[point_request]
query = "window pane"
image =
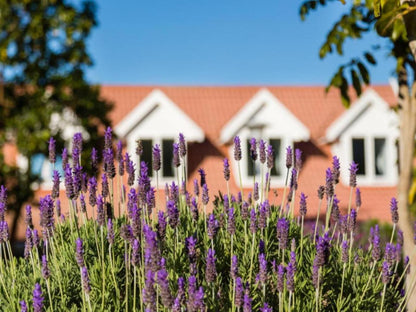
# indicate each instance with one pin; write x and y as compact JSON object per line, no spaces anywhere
{"x":36,"y":164}
{"x":167,"y":156}
{"x":147,"y":155}
{"x":380,"y":156}
{"x":358,"y":154}
{"x":251,"y":169}
{"x":277,"y":159}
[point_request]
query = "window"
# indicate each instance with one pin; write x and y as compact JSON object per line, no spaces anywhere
{"x":166,"y":146}
{"x":380,"y":156}
{"x":40,"y":166}
{"x":358,"y":154}
{"x":254,"y":168}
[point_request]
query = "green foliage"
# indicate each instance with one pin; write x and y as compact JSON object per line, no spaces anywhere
{"x":43,"y":57}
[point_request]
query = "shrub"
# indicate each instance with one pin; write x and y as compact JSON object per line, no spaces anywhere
{"x":173,"y":255}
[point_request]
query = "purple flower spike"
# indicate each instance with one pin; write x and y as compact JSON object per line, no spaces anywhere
{"x":394,"y":210}
{"x":344,"y":247}
{"x":4,"y":232}
{"x":247,"y":302}
{"x":231,"y":221}
{"x":108,"y":136}
{"x":298,"y":159}
{"x":358,"y":197}
{"x":289,"y":157}
{"x":46,"y":273}
{"x":262,"y":151}
{"x":266,"y":308}
{"x":290,"y":276}
{"x":212,"y":226}
{"x":149,"y":293}
{"x":329,"y":187}
{"x":156,"y":158}
{"x":237,"y":148}
{"x":47,"y":220}
{"x":400,"y":237}
{"x":37,"y":299}
{"x":239,"y":292}
{"x":23,"y":306}
{"x":176,"y":159}
{"x":321,"y":191}
{"x":64,"y":158}
{"x":282,"y":232}
{"x":263,"y":211}
{"x":85,"y":280}
{"x":376,"y":252}
{"x":28,"y":243}
{"x":262,"y":269}
{"x":69,"y":183}
{"x":110,"y":232}
{"x":336,"y":169}
{"x":92,"y":190}
{"x":256,"y":192}
{"x":100,"y":211}
{"x":210,"y":270}
{"x":315,"y":275}
{"x":202,"y":175}
{"x":322,"y":249}
{"x":52,"y":150}
{"x":226,"y":169}
{"x":253,"y":220}
{"x":352,"y":221}
{"x":109,"y":167}
{"x":161,"y":225}
{"x":302,"y":204}
{"x":205,"y":195}
{"x":386,"y":273}
{"x":280,"y":278}
{"x":173,"y":214}
{"x":196,"y":188}
{"x":253,"y":149}
{"x":135,"y":253}
{"x":130,"y":169}
{"x":194,"y":209}
{"x":94,"y":159}
{"x":182,"y":145}
{"x":79,"y":252}
{"x":270,"y":157}
{"x":162,"y":280}
{"x":28,"y":216}
{"x":353,"y":174}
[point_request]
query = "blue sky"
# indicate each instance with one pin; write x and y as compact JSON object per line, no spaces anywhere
{"x":218,"y":42}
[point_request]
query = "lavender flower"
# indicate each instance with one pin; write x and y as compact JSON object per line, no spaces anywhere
{"x":161,"y":225}
{"x":196,"y":188}
{"x":79,"y":252}
{"x":270,"y":157}
{"x":266,"y":308}
{"x":52,"y":152}
{"x":176,"y":160}
{"x":263,"y":210}
{"x":23,"y":306}
{"x":212,"y":226}
{"x":226,"y":169}
{"x":290,"y":277}
{"x":109,"y":167}
{"x":302,"y":204}
{"x":386,"y":272}
{"x":64,"y":158}
{"x":344,"y":247}
{"x":58,"y":208}
{"x":126,"y":233}
{"x":376,"y":252}
{"x":69,"y":183}
{"x":190,"y":244}
{"x":234,"y":267}
{"x":28,"y":243}
{"x":244,"y":210}
{"x":262,"y":269}
{"x":46,"y":215}
{"x":130,"y":170}
{"x":105,"y":190}
{"x":262,"y":151}
{"x":390,"y":253}
{"x":35,"y":238}
{"x":322,"y":250}
{"x":247,"y":302}
{"x":298,"y":159}
{"x":4,"y":232}
{"x":329,"y":187}
{"x":202,"y":175}
{"x":253,"y":149}
{"x":352,"y":221}
{"x":135,"y":253}
{"x":162,"y":280}
{"x":353,"y":174}
{"x":139,"y":148}
{"x":110,"y":232}
{"x":46,"y":273}
{"x":239,"y":292}
{"x":394,"y":211}
{"x":289,"y":157}
{"x":315,"y":275}
{"x":156,"y":158}
{"x":28,"y":216}
{"x":173,"y":214}
{"x":400,"y":238}
{"x":37,"y":299}
{"x":335,"y":213}
{"x":210,"y":270}
{"x":85,"y":280}
{"x":358,"y":197}
{"x":282,"y":232}
{"x":194,"y":209}
{"x":321,"y":191}
{"x":92,"y":190}
{"x":253,"y":219}
{"x":181,"y":290}
{"x":182,"y":145}
{"x":205,"y":195}
{"x":256,"y":192}
{"x":335,"y":169}
{"x":237,"y":148}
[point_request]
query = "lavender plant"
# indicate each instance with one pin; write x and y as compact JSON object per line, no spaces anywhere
{"x":200,"y":251}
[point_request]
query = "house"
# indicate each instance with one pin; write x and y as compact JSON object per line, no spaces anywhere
{"x":303,"y":117}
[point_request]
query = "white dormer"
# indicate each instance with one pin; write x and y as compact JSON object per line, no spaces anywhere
{"x":157,"y":120}
{"x":367,"y":134}
{"x":264,"y":117}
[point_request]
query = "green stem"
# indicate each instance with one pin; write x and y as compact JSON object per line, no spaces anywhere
{"x":382,"y":297}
